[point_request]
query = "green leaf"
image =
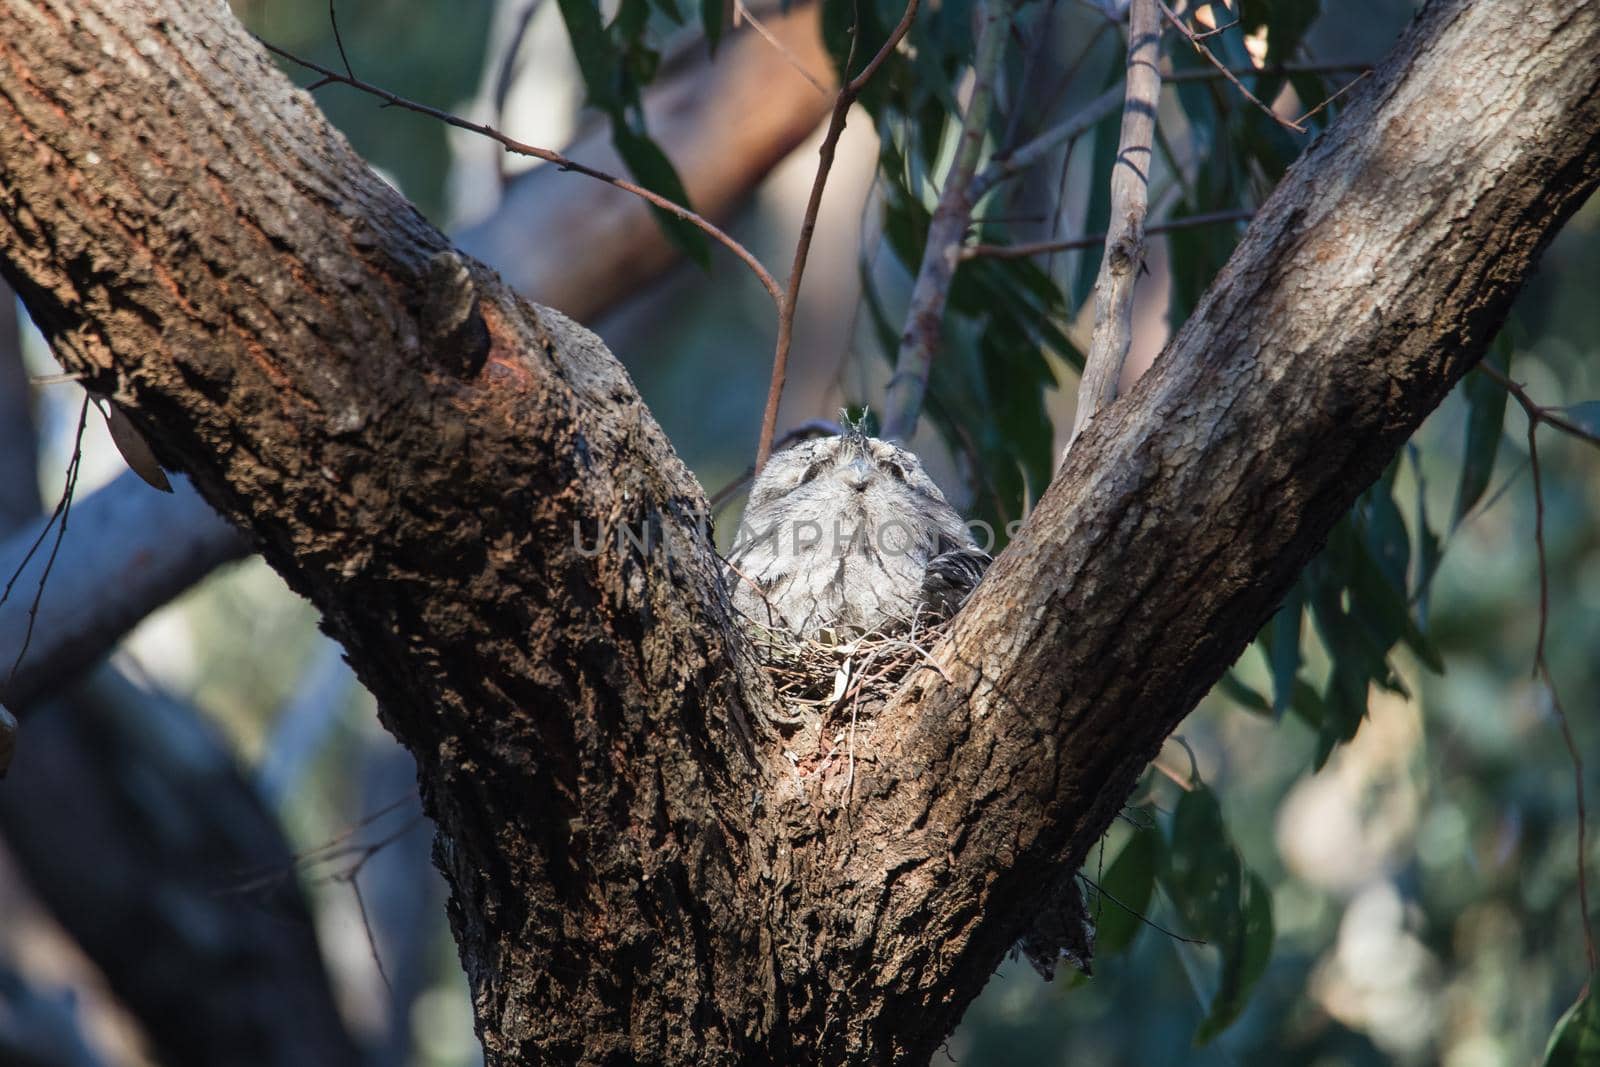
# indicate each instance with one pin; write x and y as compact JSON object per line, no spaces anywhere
{"x":1220,"y":901}
{"x":1248,"y":959}
{"x":1282,"y":639}
{"x":1486,"y":416}
{"x":1243,"y":695}
{"x":1575,"y":1042}
{"x":596,"y":55}
{"x":655,"y":172}
{"x":1125,"y":893}
{"x":711,"y":16}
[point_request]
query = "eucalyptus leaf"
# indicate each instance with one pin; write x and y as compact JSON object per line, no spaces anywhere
{"x":1575,"y":1042}
{"x":1125,"y":891}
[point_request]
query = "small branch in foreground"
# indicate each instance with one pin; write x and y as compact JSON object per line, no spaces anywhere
{"x":333,"y":77}
{"x":848,"y":92}
{"x":919,"y":341}
{"x":1038,"y":248}
{"x":1130,"y":190}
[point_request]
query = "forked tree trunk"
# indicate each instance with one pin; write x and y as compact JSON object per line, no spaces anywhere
{"x":638,"y":872}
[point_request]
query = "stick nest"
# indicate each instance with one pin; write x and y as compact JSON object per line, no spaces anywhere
{"x":837,"y":676}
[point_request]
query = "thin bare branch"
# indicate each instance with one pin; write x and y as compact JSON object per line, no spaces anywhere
{"x":743,"y":12}
{"x":1130,"y":192}
{"x":1009,"y":164}
{"x":919,"y":342}
{"x":808,"y":224}
{"x":1583,"y":818}
{"x":1223,"y":69}
{"x":1537,"y":413}
{"x":1037,"y":248}
{"x":331,"y":77}
{"x":333,"y":20}
{"x":63,"y":512}
{"x":1345,"y":88}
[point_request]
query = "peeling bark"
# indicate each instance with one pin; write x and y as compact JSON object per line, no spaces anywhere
{"x":637,"y":872}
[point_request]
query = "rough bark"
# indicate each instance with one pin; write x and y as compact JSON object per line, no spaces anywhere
{"x":637,"y":872}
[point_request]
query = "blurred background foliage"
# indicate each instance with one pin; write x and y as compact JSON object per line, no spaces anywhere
{"x":1370,"y":824}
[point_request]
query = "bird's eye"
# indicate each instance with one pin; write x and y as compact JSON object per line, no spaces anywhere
{"x":897,"y":471}
{"x":812,"y":471}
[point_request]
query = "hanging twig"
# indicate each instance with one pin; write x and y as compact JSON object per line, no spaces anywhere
{"x":332,"y":77}
{"x":1130,"y":191}
{"x":940,"y":255}
{"x":63,"y":511}
{"x":1538,"y":413}
{"x":848,"y":93}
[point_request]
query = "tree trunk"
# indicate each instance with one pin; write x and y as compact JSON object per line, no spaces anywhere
{"x":638,"y":872}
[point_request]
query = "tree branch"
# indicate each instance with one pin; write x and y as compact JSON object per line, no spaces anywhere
{"x":637,"y":870}
{"x":130,"y":549}
{"x":1123,"y":259}
{"x":919,"y":341}
{"x":848,"y":93}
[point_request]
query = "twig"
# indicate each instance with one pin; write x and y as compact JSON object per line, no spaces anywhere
{"x":1345,"y":88}
{"x":1130,"y":191}
{"x":1210,"y":218}
{"x":848,"y":92}
{"x":1538,"y":413}
{"x":1583,"y":836}
{"x":941,"y":254}
{"x":1224,"y":71}
{"x":1014,"y":162}
{"x":1137,"y":915}
{"x":1225,"y":27}
{"x":741,"y":11}
{"x":330,"y":77}
{"x":62,"y":511}
{"x":333,"y":19}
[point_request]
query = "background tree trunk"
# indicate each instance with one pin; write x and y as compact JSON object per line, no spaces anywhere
{"x":637,"y":871}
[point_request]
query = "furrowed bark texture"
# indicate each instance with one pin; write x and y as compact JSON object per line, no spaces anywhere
{"x":412,"y":447}
{"x":416,"y":449}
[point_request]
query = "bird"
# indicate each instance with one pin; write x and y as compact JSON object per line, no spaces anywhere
{"x":847,"y":534}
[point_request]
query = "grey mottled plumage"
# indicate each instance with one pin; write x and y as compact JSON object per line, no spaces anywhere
{"x":849,"y":533}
